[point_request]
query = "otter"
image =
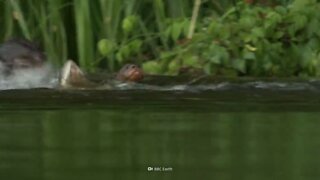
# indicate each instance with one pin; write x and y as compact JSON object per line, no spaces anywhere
{"x":72,"y":76}
{"x":130,"y":73}
{"x":18,"y":54}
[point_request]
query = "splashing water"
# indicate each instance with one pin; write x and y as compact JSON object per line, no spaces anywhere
{"x":44,"y":77}
{"x":49,"y":77}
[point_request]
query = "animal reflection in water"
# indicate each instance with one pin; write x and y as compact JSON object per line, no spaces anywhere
{"x":24,"y":65}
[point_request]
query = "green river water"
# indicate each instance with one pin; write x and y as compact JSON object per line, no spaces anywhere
{"x":234,"y":133}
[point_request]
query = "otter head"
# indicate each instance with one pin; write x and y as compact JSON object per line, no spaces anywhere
{"x":130,"y":73}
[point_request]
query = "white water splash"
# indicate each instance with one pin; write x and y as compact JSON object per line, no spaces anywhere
{"x":44,"y":77}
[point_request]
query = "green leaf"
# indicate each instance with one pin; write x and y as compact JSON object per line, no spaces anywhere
{"x":135,"y":46}
{"x":278,"y":34}
{"x":240,"y":65}
{"x":106,"y":46}
{"x":191,"y":61}
{"x":271,"y":20}
{"x":250,"y":47}
{"x":129,"y":23}
{"x":313,"y":28}
{"x":123,"y":53}
{"x":258,"y":32}
{"x":176,"y":31}
{"x":173,"y":67}
{"x":299,"y":22}
{"x":248,"y":55}
{"x":167,"y":32}
{"x":216,"y":54}
{"x":185,"y":26}
{"x":247,"y":22}
{"x":213,"y":27}
{"x":281,"y":10}
{"x":299,"y":5}
{"x":119,"y":57}
{"x":215,"y":60}
{"x":230,"y":12}
{"x":151,"y":67}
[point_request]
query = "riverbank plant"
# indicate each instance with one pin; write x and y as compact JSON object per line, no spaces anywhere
{"x":233,"y":38}
{"x":251,"y":41}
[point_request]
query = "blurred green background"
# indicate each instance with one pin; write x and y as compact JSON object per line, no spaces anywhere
{"x":231,"y":37}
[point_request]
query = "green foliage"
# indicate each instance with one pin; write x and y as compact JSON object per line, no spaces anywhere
{"x":106,"y":47}
{"x":84,"y":33}
{"x":42,"y":22}
{"x":256,"y":41}
{"x":231,"y":38}
{"x":176,"y":29}
{"x":152,"y":67}
{"x":128,"y":24}
{"x":97,"y":34}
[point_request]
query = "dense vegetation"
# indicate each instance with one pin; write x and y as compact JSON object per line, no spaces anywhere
{"x":247,"y":37}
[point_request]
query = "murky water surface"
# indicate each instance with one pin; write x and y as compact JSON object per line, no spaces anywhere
{"x":222,"y":130}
